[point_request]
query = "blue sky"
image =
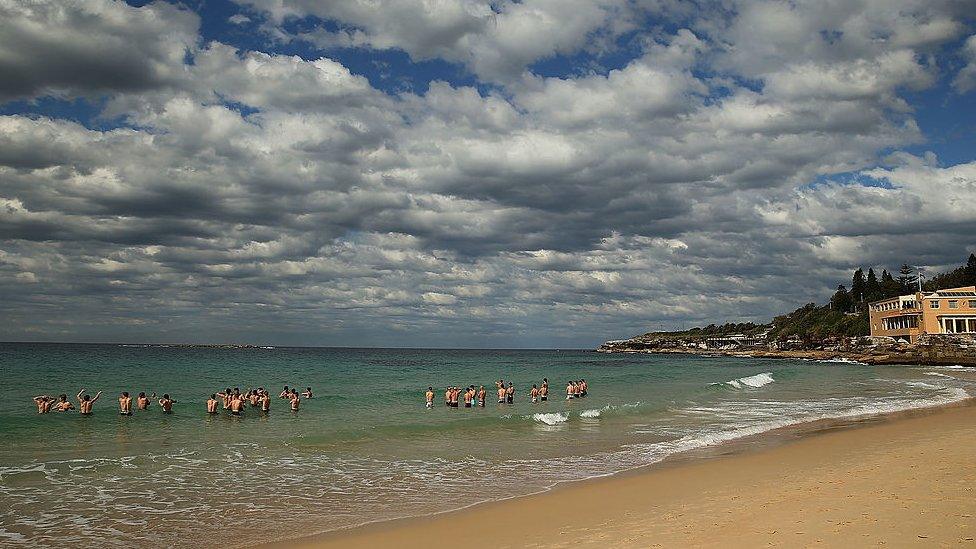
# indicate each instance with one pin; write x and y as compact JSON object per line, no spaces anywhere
{"x":463,"y":173}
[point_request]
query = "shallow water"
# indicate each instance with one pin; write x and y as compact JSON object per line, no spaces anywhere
{"x":365,"y":448}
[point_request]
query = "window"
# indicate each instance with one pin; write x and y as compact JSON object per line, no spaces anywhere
{"x":953,"y":304}
{"x":972,"y":303}
{"x":935,"y":304}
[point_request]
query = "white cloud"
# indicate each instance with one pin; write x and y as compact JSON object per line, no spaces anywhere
{"x":965,"y":79}
{"x":252,"y":189}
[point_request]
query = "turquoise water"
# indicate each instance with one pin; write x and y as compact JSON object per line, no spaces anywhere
{"x":365,"y":448}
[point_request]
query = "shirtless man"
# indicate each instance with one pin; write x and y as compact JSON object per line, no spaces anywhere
{"x":582,"y":387}
{"x":85,"y":402}
{"x":212,"y":404}
{"x":307,"y":393}
{"x":455,"y":395}
{"x":285,"y":393}
{"x":501,"y":394}
{"x":44,"y":403}
{"x":167,"y":404}
{"x":467,"y":398}
{"x":429,"y":395}
{"x":236,"y":405}
{"x":63,"y":405}
{"x":569,"y":391}
{"x":265,"y":402}
{"x":125,"y":404}
{"x":534,"y":393}
{"x":142,"y":402}
{"x":510,"y":393}
{"x":295,"y":401}
{"x":482,"y":394}
{"x":252,"y":397}
{"x":544,"y":390}
{"x":227,"y":397}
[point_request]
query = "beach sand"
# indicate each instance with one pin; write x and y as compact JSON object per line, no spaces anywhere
{"x":906,"y":481}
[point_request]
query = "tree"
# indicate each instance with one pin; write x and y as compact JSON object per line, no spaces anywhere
{"x":857,"y":286}
{"x":971,"y":270}
{"x":889,"y":286}
{"x":841,"y":301}
{"x":872,"y":290}
{"x":907,"y":278}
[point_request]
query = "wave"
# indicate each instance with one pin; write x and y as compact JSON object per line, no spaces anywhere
{"x":553,"y":418}
{"x":753,"y":382}
{"x":843,"y":360}
{"x":937,"y":374}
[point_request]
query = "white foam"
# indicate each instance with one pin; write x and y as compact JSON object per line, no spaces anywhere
{"x":553,"y":418}
{"x":844,"y":360}
{"x":590,"y":413}
{"x":937,"y":374}
{"x":754,"y":382}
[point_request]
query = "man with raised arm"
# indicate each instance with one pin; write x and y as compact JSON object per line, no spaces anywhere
{"x":44,"y":403}
{"x":85,"y":402}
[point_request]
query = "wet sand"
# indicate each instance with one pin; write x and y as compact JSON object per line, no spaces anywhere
{"x":906,"y":481}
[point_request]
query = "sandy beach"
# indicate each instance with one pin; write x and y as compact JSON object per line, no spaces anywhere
{"x":908,"y":480}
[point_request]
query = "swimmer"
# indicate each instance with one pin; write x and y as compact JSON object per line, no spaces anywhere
{"x":510,"y":393}
{"x":307,"y":393}
{"x":253,"y":399}
{"x":501,"y":394}
{"x":569,"y":391}
{"x":167,"y":404}
{"x":582,"y":387}
{"x":125,"y":404}
{"x":534,"y":393}
{"x":142,"y":402}
{"x":544,"y":390}
{"x":236,"y":406}
{"x":447,"y":397}
{"x":212,"y":404}
{"x":295,"y":401}
{"x":86,"y":402}
{"x":265,"y":402}
{"x":455,"y":393}
{"x":227,"y":397}
{"x":63,"y":405}
{"x":44,"y":403}
{"x":285,"y":393}
{"x":481,"y":396}
{"x":467,"y":398}
{"x":429,"y":395}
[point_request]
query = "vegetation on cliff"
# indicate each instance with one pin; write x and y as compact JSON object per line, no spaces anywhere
{"x":845,"y":315}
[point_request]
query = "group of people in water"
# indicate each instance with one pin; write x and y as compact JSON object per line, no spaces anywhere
{"x":472,"y":396}
{"x":233,"y":401}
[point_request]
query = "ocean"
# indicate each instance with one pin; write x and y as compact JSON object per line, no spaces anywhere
{"x":365,"y":449}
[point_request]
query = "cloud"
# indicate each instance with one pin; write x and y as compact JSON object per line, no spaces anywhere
{"x":965,"y":79}
{"x":91,"y":47}
{"x":495,"y":40}
{"x":255,"y":194}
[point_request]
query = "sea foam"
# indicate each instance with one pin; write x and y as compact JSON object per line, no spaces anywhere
{"x":553,"y":418}
{"x":754,"y":382}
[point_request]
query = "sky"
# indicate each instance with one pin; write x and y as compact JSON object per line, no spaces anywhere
{"x":465,"y":173}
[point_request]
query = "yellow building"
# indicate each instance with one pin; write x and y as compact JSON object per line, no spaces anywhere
{"x":949,"y":311}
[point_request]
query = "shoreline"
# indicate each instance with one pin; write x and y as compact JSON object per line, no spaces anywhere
{"x":909,"y":358}
{"x":418,"y":531}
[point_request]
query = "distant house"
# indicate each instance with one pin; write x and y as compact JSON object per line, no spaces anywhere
{"x":734,"y":340}
{"x":949,"y":311}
